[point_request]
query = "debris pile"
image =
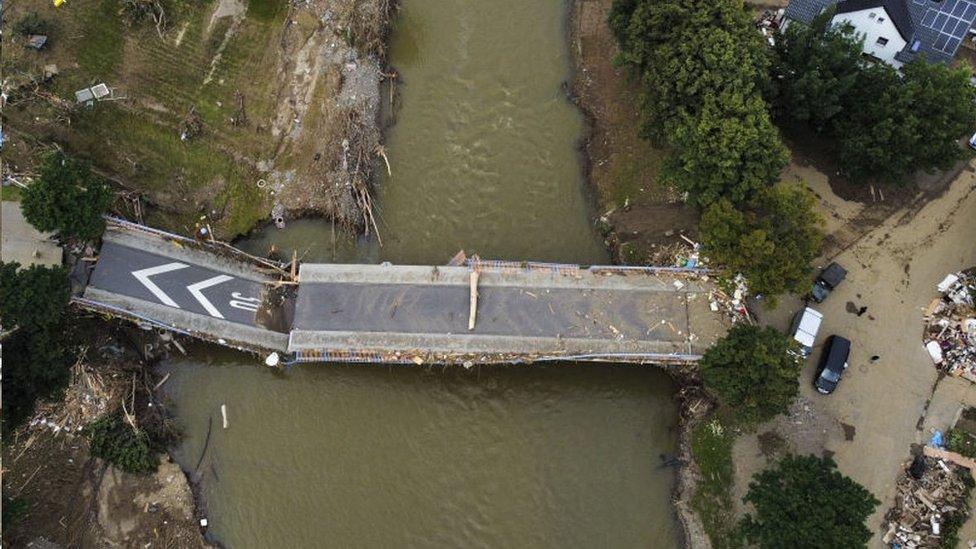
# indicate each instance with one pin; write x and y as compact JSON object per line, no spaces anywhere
{"x":931,"y":502}
{"x":87,"y":398}
{"x":950,"y":325}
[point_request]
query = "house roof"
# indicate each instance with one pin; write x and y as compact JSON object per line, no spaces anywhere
{"x":897,"y":13}
{"x":937,"y":27}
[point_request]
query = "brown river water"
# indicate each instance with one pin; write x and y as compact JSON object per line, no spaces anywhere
{"x":484,"y":157}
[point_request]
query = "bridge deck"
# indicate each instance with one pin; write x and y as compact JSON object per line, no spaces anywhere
{"x":394,"y":313}
{"x":596,"y":313}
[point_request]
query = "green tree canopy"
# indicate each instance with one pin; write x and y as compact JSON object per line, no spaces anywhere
{"x":910,"y":123}
{"x":731,"y":150}
{"x":36,"y":354}
{"x":815,"y":69}
{"x":686,"y":51}
{"x":805,"y":502}
{"x":67,"y":198}
{"x":754,"y":372}
{"x":771,"y":242}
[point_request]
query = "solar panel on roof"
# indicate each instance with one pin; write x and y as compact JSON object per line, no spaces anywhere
{"x":970,"y":12}
{"x":928,"y":18}
{"x":961,"y":29}
{"x":960,"y":9}
{"x":940,"y":20}
{"x":940,"y":42}
{"x":951,"y":45}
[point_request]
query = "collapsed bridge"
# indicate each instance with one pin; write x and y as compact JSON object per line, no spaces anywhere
{"x":471,"y":313}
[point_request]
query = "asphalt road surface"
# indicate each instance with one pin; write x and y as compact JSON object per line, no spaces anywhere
{"x":151,"y":277}
{"x":502,"y":311}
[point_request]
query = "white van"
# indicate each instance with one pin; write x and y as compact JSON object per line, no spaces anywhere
{"x":804,"y":329}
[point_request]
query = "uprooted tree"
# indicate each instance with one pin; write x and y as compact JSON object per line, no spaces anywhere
{"x":806,"y":502}
{"x":67,"y":198}
{"x":753,"y":371}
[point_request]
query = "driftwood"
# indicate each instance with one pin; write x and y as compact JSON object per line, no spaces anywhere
{"x":473,"y":308}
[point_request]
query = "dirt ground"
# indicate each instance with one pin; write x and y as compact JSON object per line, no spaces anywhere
{"x":74,"y":500}
{"x":285,"y":96}
{"x":880,"y":409}
{"x":622,"y":167}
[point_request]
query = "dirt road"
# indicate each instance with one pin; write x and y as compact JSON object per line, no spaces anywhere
{"x":874,"y":417}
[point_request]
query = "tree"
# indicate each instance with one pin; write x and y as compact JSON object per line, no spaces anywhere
{"x":730,"y":150}
{"x":684,"y":52}
{"x":753,"y":370}
{"x":815,"y":70}
{"x":67,"y":198}
{"x":771,"y":242}
{"x":805,"y":502}
{"x":36,"y":353}
{"x":911,"y":123}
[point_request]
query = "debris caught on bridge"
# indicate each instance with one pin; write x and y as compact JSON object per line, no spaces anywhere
{"x":473,"y":308}
{"x":950,"y":325}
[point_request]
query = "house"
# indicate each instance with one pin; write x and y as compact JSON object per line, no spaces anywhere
{"x":897,"y":31}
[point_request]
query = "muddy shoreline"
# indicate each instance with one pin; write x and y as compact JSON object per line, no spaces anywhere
{"x":602,"y":143}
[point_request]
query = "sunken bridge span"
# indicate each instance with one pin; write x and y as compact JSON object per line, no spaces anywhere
{"x":469,"y":312}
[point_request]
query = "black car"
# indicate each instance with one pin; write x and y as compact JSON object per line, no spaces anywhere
{"x":833,"y":275}
{"x":833,"y":362}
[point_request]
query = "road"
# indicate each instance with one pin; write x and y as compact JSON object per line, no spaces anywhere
{"x":870,"y":422}
{"x":141,"y":274}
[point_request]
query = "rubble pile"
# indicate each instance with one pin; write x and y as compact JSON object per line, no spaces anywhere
{"x":931,"y":502}
{"x":950,"y":325}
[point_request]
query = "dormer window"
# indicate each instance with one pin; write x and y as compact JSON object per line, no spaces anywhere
{"x":882,"y":41}
{"x":881,"y":20}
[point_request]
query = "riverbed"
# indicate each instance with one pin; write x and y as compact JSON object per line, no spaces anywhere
{"x":484,"y":157}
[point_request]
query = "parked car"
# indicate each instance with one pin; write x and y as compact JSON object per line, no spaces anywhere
{"x":806,"y":324}
{"x":833,"y":362}
{"x":829,"y":279}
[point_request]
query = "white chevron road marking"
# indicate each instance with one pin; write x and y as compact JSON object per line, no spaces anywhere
{"x":144,"y":274}
{"x":197,"y":291}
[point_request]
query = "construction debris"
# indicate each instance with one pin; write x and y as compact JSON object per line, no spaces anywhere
{"x":931,"y":502}
{"x":950,"y":325}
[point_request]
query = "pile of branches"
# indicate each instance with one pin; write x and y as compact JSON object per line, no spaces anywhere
{"x":369,"y":24}
{"x":137,"y":11}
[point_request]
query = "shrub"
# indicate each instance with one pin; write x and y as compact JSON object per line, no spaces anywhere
{"x":30,"y":23}
{"x":115,"y":441}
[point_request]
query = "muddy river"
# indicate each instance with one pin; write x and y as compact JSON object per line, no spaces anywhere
{"x":484,"y":158}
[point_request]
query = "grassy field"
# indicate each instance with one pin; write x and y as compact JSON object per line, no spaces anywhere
{"x":199,"y":62}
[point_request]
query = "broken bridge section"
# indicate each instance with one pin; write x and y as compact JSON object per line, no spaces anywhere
{"x":207,"y":290}
{"x":525,"y":312}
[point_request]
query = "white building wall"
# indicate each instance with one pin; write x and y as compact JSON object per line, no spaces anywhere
{"x":873,"y":27}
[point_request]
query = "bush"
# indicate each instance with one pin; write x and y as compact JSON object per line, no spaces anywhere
{"x":67,"y":198}
{"x":961,"y":442}
{"x":30,"y":23}
{"x":754,"y":371}
{"x":805,"y":502}
{"x":115,"y":441}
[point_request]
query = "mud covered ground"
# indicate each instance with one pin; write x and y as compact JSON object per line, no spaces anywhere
{"x":64,"y":496}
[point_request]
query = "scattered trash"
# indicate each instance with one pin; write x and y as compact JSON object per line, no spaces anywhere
{"x":223,"y":414}
{"x":36,"y":41}
{"x":950,"y":325}
{"x":272,"y":360}
{"x":927,"y":495}
{"x":88,"y":96}
{"x":936,"y":440}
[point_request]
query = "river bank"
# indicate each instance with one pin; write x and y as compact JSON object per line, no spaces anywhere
{"x":640,"y":218}
{"x":188,"y":135}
